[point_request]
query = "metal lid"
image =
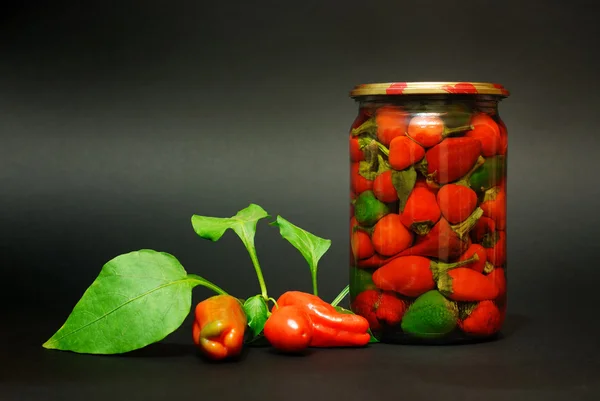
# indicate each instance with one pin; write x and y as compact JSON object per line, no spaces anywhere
{"x":429,"y":88}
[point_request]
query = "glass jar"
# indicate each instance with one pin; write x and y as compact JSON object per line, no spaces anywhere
{"x":428,"y":211}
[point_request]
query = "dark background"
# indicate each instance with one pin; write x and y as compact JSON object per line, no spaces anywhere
{"x":119,"y":120}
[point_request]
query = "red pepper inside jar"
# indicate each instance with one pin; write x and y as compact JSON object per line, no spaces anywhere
{"x":428,"y":210}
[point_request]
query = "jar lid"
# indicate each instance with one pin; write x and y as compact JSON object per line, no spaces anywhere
{"x":429,"y":88}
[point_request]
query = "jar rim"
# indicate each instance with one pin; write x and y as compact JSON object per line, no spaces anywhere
{"x":429,"y":88}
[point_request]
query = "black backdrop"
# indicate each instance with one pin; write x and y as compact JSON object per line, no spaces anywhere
{"x":119,"y":120}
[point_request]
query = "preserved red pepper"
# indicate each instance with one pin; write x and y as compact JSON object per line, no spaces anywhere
{"x":428,"y":210}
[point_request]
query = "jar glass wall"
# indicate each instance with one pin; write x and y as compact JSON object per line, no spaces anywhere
{"x":428,"y":211}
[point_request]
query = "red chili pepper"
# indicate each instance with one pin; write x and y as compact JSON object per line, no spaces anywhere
{"x":374,"y":261}
{"x":379,"y":308}
{"x":475,"y":249}
{"x":494,"y":206}
{"x":452,"y":158}
{"x":464,"y":284}
{"x":359,"y":183}
{"x":289,"y":329}
{"x":383,"y":187}
{"x":356,"y":153}
{"x":361,"y":245}
{"x":503,"y":138}
{"x":484,"y":319}
{"x":484,"y":226}
{"x":428,"y":130}
{"x":495,"y":248}
{"x":486,"y":131}
{"x":330,"y":327}
{"x":498,"y":277}
{"x":421,"y":211}
{"x":391,"y":123}
{"x":456,"y":202}
{"x":219,"y":327}
{"x":443,"y":241}
{"x":390,"y":236}
{"x":404,"y":152}
{"x":412,"y":275}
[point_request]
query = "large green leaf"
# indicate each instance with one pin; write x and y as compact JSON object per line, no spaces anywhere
{"x":137,"y":299}
{"x":309,"y":245}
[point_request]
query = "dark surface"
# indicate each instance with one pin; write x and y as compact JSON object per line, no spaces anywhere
{"x":119,"y":120}
{"x":533,"y":361}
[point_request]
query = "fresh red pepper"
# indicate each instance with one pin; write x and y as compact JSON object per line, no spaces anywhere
{"x":330,"y":327}
{"x":219,"y":327}
{"x":289,"y":329}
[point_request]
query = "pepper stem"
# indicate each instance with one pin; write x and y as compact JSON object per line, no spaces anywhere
{"x":463,"y":228}
{"x":450,"y":131}
{"x":422,"y":228}
{"x":465,"y":179}
{"x":259,"y":275}
{"x":205,"y":283}
{"x":341,"y":296}
{"x":437,"y":268}
{"x":369,"y":126}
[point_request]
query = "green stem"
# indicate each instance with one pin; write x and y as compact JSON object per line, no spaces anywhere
{"x":438,"y":268}
{"x":465,"y":179}
{"x":205,"y":283}
{"x":450,"y":131}
{"x":383,"y":149}
{"x":341,"y":296}
{"x":314,"y":283}
{"x":368,"y":126}
{"x":463,"y":228}
{"x":261,"y":280}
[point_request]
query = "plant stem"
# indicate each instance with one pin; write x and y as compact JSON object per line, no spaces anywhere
{"x":205,"y":283}
{"x":314,"y":284}
{"x":261,"y":280}
{"x":341,"y":296}
{"x":450,"y":131}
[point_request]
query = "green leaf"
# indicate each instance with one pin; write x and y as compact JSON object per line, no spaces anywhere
{"x":243,"y":224}
{"x":137,"y":299}
{"x":257,"y":313}
{"x":309,"y":245}
{"x":404,"y":181}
